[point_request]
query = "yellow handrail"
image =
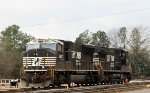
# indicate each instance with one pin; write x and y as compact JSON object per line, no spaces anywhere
{"x":22,"y":68}
{"x":51,"y":69}
{"x":22,"y":71}
{"x":100,"y":70}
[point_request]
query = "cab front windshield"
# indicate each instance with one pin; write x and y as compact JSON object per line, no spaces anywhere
{"x":38,"y":46}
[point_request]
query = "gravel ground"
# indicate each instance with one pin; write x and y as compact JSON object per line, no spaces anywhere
{"x":139,"y":91}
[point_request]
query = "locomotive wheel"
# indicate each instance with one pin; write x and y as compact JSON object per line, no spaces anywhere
{"x":90,"y":84}
{"x":86,"y":84}
{"x":78,"y":85}
{"x":53,"y":86}
{"x":82,"y":84}
{"x":58,"y":85}
{"x":97,"y":83}
{"x":69,"y":85}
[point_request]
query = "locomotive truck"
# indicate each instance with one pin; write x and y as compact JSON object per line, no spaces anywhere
{"x":52,"y":62}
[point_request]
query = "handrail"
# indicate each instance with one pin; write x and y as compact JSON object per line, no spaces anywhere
{"x":100,"y":70}
{"x":22,"y":71}
{"x":51,"y":69}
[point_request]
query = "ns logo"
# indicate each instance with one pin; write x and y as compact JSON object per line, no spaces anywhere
{"x":37,"y":61}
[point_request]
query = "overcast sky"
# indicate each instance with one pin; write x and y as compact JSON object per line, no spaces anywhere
{"x":66,"y":19}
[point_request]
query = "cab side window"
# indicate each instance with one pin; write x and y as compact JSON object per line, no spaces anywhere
{"x":59,"y":48}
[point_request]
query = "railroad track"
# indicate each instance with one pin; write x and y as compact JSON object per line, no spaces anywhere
{"x":115,"y":88}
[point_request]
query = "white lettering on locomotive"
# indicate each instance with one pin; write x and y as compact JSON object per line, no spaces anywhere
{"x":73,"y":54}
{"x":78,"y":55}
{"x":112,"y":64}
{"x":78,"y":62}
{"x":60,"y":56}
{"x":112,"y":58}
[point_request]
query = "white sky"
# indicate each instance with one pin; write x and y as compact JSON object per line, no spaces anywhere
{"x":66,"y":19}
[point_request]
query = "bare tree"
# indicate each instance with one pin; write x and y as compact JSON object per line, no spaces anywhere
{"x":118,"y":37}
{"x":138,"y":46}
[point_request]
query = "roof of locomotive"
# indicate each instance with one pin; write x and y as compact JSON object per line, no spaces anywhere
{"x":119,"y":49}
{"x":98,"y":49}
{"x":37,"y":41}
{"x":104,"y":49}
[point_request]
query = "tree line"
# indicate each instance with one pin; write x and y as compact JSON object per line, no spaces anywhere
{"x":135,"y":40}
{"x":12,"y":45}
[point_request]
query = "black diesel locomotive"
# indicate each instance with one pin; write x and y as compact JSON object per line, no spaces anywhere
{"x":50,"y":62}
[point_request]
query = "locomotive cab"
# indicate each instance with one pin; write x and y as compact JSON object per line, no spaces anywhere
{"x":39,"y":61}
